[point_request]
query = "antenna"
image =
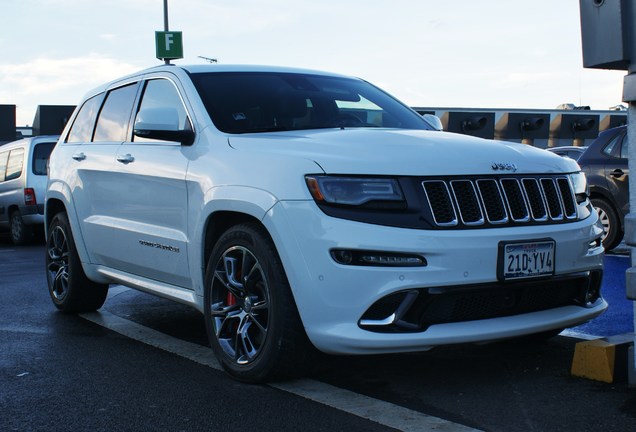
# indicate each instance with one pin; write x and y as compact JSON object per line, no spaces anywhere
{"x":208,"y":59}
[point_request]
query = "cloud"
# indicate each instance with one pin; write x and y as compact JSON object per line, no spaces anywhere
{"x":47,"y":81}
{"x":517,"y":79}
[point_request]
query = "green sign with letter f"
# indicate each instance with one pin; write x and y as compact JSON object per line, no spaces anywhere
{"x":169,"y":45}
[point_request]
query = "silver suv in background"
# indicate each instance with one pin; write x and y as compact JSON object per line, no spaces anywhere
{"x":22,"y":186}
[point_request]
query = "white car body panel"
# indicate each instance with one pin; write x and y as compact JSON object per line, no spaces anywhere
{"x":411,"y":152}
{"x":143,"y":223}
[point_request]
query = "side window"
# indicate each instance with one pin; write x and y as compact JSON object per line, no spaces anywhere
{"x":14,"y":164}
{"x":82,"y":129}
{"x":161,"y":94}
{"x":625,"y":147}
{"x":112,"y":123}
{"x":613,"y":147}
{"x":41,"y":153}
{"x":3,"y":164}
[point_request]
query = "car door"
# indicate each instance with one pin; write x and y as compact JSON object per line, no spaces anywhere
{"x":617,"y":171}
{"x":149,"y":225}
{"x":91,"y":148}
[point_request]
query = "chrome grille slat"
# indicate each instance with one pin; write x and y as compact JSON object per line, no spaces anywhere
{"x":467,"y":202}
{"x":490,"y":196}
{"x":440,"y":203}
{"x":552,"y":198}
{"x":472,"y":202}
{"x":567,"y":195}
{"x":515,"y":199}
{"x":535,"y":199}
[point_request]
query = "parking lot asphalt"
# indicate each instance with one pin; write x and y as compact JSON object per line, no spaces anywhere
{"x":521,"y":385}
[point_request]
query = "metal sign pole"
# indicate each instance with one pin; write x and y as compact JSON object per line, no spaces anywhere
{"x":165,"y":22}
{"x":629,"y":95}
{"x":610,"y":43}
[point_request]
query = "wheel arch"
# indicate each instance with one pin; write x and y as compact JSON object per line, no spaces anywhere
{"x":11,"y":209}
{"x":598,"y":193}
{"x":59,"y":199}
{"x":219,"y":222}
{"x":603,"y":194}
{"x":53,"y":207}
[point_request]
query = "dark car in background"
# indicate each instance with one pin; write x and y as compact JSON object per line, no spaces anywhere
{"x":573,"y":152}
{"x":605,"y":165}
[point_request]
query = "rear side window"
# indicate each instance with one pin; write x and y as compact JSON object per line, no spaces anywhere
{"x":14,"y":164}
{"x":112,"y":124}
{"x":41,"y":153}
{"x":82,"y":130}
{"x":625,"y":148}
{"x":4,"y":156}
{"x":613,"y":147}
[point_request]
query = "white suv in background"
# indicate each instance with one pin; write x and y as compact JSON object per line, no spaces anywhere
{"x":22,"y":186}
{"x":299,"y":209}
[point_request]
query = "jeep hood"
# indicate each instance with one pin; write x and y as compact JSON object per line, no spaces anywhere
{"x":403,"y":152}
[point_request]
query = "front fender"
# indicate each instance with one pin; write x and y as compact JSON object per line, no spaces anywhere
{"x":245,"y":200}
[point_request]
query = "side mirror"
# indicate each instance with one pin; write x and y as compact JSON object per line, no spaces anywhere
{"x":433,"y":121}
{"x":162,"y":124}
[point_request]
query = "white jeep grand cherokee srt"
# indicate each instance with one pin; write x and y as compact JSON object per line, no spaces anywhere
{"x":299,"y":209}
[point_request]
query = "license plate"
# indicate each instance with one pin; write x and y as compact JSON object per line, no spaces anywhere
{"x":526,"y":260}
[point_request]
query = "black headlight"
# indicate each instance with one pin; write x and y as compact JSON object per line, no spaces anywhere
{"x":355,"y":191}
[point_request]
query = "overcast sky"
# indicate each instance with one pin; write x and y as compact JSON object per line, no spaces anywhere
{"x":452,"y":53}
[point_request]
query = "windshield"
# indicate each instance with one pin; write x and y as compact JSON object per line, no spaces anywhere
{"x":247,"y":102}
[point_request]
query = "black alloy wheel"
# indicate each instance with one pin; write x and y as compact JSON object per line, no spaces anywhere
{"x":251,"y":318}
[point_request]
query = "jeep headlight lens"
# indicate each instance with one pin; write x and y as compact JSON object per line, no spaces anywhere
{"x":353,"y":191}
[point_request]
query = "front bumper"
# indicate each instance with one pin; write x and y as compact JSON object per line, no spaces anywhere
{"x":332,"y":298}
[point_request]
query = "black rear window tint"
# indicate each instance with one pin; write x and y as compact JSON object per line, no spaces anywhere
{"x":41,"y":153}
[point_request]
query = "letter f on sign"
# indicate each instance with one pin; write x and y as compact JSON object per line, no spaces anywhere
{"x":169,"y":41}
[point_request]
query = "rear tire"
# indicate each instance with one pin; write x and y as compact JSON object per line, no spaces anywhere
{"x":69,"y":287}
{"x":21,"y":233}
{"x":250,"y":314}
{"x":612,"y":233}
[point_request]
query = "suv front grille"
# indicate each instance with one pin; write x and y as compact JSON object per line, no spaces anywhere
{"x":474,"y":202}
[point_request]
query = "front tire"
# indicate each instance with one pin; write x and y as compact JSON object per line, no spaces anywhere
{"x":69,"y":287}
{"x":612,"y":233}
{"x":251,"y":318}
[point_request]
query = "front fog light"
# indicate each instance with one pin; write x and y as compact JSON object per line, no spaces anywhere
{"x":377,"y":258}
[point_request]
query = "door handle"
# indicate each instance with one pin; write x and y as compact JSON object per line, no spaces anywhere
{"x":125,"y":159}
{"x":79,"y":156}
{"x":617,"y":173}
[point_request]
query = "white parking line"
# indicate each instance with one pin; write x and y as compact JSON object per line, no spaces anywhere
{"x":381,"y":412}
{"x":578,"y":335}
